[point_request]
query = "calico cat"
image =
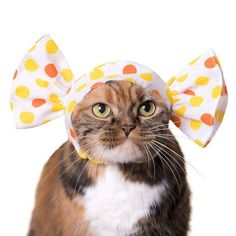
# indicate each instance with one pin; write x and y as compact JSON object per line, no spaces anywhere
{"x":140,"y":187}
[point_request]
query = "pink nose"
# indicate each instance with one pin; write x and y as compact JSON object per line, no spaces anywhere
{"x":127,"y":129}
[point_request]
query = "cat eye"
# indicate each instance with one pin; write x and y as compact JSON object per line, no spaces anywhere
{"x":101,"y":110}
{"x":147,"y":109}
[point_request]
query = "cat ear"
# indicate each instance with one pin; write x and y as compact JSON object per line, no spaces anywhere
{"x":40,"y":84}
{"x":199,"y":98}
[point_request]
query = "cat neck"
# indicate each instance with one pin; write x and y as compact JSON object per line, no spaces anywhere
{"x":78,"y":174}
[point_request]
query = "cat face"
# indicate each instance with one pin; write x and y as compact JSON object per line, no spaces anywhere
{"x":120,"y":122}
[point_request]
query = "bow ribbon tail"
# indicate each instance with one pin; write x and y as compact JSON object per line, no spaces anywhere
{"x":41,"y":82}
{"x":199,"y":98}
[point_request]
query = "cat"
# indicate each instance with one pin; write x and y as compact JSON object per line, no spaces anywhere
{"x":139,"y":189}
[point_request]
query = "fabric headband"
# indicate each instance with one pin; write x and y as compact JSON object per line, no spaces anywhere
{"x":44,"y":88}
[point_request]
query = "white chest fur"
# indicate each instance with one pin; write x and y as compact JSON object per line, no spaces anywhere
{"x":114,"y":205}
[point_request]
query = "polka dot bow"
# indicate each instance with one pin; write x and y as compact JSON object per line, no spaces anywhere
{"x":44,"y":88}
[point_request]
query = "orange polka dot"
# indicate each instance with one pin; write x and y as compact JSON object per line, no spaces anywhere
{"x":224,"y":91}
{"x":38,"y":102}
{"x":96,"y":85}
{"x":129,"y":69}
{"x":208,"y":119}
{"x":15,"y":74}
{"x":51,"y":70}
{"x":156,"y":93}
{"x":176,"y":120}
{"x":211,"y":62}
{"x":72,"y":133}
{"x":189,"y":92}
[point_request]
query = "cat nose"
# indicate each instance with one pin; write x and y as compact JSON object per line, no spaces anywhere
{"x":127,"y":129}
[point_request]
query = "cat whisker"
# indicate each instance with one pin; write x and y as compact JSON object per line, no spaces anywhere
{"x":152,"y":137}
{"x":67,"y":156}
{"x":170,"y":156}
{"x":153,"y":161}
{"x":77,"y":181}
{"x":148,"y":158}
{"x":68,"y":168}
{"x":158,"y":149}
{"x":182,"y":159}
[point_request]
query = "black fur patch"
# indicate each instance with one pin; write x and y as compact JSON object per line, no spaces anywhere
{"x":73,"y":174}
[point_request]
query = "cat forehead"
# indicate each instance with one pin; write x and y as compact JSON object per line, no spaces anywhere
{"x":118,"y":93}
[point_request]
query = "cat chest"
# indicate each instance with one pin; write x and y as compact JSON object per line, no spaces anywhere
{"x":113,"y":206}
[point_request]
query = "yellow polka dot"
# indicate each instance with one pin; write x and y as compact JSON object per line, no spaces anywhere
{"x":96,"y":74}
{"x":46,"y":121}
{"x":81,"y":77}
{"x":32,"y":49}
{"x":147,"y":76}
{"x":27,"y":117}
{"x":202,"y":80}
{"x":219,"y":115}
{"x":11,"y":106}
{"x":57,"y":107}
{"x":169,"y":94}
{"x":81,"y":87}
{"x":130,"y":80}
{"x":171,"y":81}
{"x":199,"y":142}
{"x":54,"y":98}
{"x":195,"y":124}
{"x":95,"y":161}
{"x":216,"y":92}
{"x":112,"y":76}
{"x":196,"y":101}
{"x":31,"y":65}
{"x":22,"y":91}
{"x":42,"y":83}
{"x":72,"y":106}
{"x":182,"y":78}
{"x":181,"y":110}
{"x":51,"y":47}
{"x":193,"y":61}
{"x":174,"y":92}
{"x":175,"y":100}
{"x":67,"y":75}
{"x":83,"y":155}
{"x":100,"y":66}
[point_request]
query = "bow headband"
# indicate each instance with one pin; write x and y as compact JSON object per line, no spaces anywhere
{"x":44,"y":88}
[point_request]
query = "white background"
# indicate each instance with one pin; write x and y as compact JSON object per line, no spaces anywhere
{"x":163,"y":35}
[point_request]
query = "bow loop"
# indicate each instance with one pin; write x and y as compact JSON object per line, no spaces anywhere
{"x":199,"y":98}
{"x":41,"y":81}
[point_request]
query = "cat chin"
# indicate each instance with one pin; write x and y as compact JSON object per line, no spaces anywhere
{"x":123,"y":153}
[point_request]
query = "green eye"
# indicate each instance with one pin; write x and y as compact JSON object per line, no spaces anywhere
{"x":101,"y":110}
{"x":147,"y":108}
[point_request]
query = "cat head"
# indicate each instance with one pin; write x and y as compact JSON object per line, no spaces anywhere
{"x":120,"y":121}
